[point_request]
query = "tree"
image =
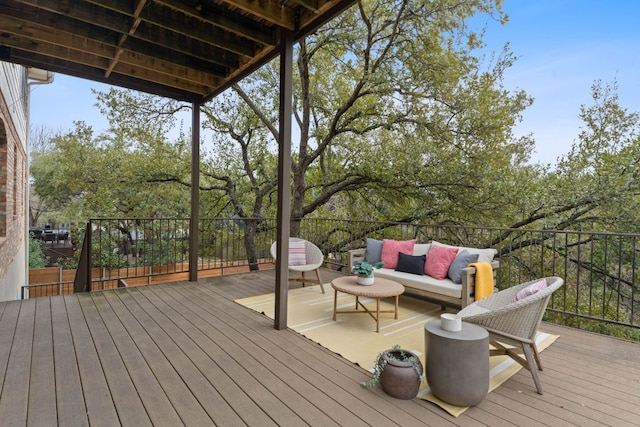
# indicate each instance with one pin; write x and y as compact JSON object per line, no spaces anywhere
{"x":594,"y":186}
{"x":121,"y":174}
{"x":40,"y":146}
{"x":394,"y":115}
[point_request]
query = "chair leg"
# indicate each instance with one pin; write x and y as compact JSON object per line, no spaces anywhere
{"x":304,"y":279}
{"x":530,"y":361}
{"x":532,"y":367}
{"x":319,"y":279}
{"x":536,"y":356}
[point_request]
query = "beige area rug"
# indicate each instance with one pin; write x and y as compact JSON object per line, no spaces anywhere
{"x":353,"y":336}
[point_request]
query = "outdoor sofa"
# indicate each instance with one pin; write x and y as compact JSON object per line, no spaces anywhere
{"x":450,"y":282}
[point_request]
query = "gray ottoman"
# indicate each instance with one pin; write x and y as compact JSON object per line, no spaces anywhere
{"x":457,"y":363}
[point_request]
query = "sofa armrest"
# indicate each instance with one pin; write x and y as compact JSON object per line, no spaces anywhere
{"x":468,"y":281}
{"x":355,"y":255}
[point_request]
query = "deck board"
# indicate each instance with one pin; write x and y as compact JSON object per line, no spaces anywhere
{"x":306,"y":385}
{"x":71,"y":411}
{"x":195,"y":367}
{"x":185,"y":354}
{"x":244,"y":351}
{"x":303,"y":359}
{"x":182,"y":401}
{"x":182,"y":368}
{"x":156,"y":404}
{"x":42,"y":403}
{"x":100,"y":407}
{"x":14,"y":404}
{"x":131,"y":411}
{"x":8,"y":321}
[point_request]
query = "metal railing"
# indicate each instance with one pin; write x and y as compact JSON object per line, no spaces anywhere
{"x":600,"y":270}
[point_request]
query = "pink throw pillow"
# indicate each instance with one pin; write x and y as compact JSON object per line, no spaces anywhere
{"x":297,"y":252}
{"x":391,"y":249}
{"x":530,"y":290}
{"x":438,"y":261}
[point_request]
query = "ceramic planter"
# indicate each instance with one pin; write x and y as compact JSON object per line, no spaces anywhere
{"x":362,"y":279}
{"x":402,"y":373}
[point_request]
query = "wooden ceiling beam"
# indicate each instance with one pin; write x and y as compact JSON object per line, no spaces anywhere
{"x":57,"y":54}
{"x":78,"y":70}
{"x":311,"y":5}
{"x":171,"y":48}
{"x":117,"y":14}
{"x":62,"y":45}
{"x":158,"y":16}
{"x":189,"y":50}
{"x":271,"y":11}
{"x":209,"y":12}
{"x":123,"y":37}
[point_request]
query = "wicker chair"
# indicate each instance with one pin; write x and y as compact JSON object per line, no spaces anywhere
{"x":314,"y":260}
{"x":514,"y":323}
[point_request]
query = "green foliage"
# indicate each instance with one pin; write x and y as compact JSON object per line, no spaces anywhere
{"x":105,"y":255}
{"x":365,"y":268}
{"x":37,"y":258}
{"x":112,"y":175}
{"x":163,"y":252}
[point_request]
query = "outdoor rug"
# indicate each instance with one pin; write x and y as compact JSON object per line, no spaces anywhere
{"x":353,"y":336}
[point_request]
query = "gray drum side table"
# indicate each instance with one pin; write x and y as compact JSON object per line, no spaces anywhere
{"x":457,"y":363}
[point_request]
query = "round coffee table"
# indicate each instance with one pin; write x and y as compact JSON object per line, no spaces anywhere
{"x":457,"y":365}
{"x":381,"y":288}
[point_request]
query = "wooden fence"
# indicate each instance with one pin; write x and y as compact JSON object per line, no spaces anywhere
{"x":50,"y":281}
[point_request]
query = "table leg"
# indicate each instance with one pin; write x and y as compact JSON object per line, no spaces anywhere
{"x":377,"y":314}
{"x":335,"y":303}
{"x":397,"y":299}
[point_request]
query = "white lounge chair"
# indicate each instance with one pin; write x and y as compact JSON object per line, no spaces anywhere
{"x":313,"y":262}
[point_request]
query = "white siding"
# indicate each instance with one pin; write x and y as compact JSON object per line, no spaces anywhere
{"x":13,"y":241}
{"x":13,"y":85}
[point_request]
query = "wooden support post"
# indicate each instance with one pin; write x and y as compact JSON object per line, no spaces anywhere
{"x":194,"y":234}
{"x":284,"y":179}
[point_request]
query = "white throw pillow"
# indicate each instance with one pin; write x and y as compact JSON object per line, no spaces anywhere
{"x":484,"y":255}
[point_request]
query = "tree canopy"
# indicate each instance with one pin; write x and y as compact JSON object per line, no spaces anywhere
{"x":398,"y":116}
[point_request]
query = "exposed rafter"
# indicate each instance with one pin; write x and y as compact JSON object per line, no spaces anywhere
{"x":123,"y":37}
{"x":189,"y":50}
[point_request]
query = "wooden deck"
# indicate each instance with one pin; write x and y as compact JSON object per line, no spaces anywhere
{"x":185,"y":354}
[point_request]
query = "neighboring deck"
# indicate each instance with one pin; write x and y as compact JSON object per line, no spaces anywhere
{"x":184,"y":353}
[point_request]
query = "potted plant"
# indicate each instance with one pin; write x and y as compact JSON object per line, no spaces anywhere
{"x":398,"y":371}
{"x":364,"y":271}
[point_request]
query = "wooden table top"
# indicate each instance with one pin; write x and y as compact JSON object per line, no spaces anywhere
{"x":381,"y":287}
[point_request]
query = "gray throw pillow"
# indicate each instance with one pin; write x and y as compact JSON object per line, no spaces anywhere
{"x":462,"y":260}
{"x":374,"y":250}
{"x":413,"y":264}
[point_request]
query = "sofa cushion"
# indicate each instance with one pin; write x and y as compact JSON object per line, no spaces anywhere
{"x":374,"y":250}
{"x":462,"y":260}
{"x":411,"y":264}
{"x":439,"y":260}
{"x":443,"y":287}
{"x":391,"y":249}
{"x":484,"y":255}
{"x":421,"y":248}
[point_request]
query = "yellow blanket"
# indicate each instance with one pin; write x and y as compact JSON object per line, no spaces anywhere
{"x":484,"y":279}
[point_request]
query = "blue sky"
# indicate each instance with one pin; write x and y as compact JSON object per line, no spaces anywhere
{"x":563,"y":48}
